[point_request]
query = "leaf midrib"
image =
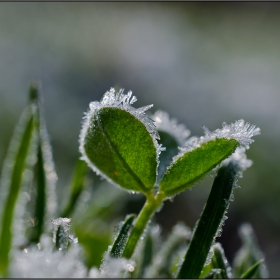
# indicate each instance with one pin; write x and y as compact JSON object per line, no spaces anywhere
{"x":125,"y":165}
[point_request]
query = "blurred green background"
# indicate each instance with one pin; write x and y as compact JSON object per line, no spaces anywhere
{"x":204,"y":63}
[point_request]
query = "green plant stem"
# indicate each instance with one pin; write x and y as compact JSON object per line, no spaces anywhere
{"x":151,"y":205}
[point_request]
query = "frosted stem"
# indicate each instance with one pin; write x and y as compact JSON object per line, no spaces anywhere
{"x":144,"y":216}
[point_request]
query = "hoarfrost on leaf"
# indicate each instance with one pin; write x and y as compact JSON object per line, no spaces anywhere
{"x":121,"y":101}
{"x":165,"y":123}
{"x":239,"y":130}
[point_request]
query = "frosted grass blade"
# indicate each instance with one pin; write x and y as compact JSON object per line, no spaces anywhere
{"x":194,"y":165}
{"x":45,"y":175}
{"x":18,"y":154}
{"x":76,"y":188}
{"x":119,"y":243}
{"x":145,"y":252}
{"x":219,"y":261}
{"x":250,"y":272}
{"x":209,"y":222}
{"x":161,"y":265}
{"x":248,"y":254}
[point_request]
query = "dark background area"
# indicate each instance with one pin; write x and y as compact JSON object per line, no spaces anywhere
{"x":203,"y":63}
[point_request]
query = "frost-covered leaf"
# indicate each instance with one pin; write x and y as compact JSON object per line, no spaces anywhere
{"x":119,"y":142}
{"x":249,"y":254}
{"x":209,"y":225}
{"x":62,"y":236}
{"x":220,"y":261}
{"x":201,"y":155}
{"x":43,"y":203}
{"x":194,"y":165}
{"x":145,"y":251}
{"x":76,"y":187}
{"x":20,"y":159}
{"x":122,"y":236}
{"x":161,"y":265}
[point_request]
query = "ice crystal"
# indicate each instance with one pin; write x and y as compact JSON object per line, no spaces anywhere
{"x":35,"y":263}
{"x":124,"y":102}
{"x":62,"y":231}
{"x":165,"y":123}
{"x":239,"y":130}
{"x":116,"y":267}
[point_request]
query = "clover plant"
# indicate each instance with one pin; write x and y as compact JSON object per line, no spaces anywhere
{"x":139,"y":153}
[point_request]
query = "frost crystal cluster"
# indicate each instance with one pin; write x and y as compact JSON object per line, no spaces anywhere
{"x":42,"y":262}
{"x":116,"y":267}
{"x":62,"y":231}
{"x":165,"y":123}
{"x":239,"y":130}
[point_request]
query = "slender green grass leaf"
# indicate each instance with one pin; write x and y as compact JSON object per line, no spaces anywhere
{"x":119,"y":243}
{"x":45,"y":175}
{"x":219,"y":261}
{"x":194,"y":165}
{"x":165,"y":157}
{"x":19,"y":159}
{"x":76,"y":188}
{"x":249,"y":254}
{"x":249,"y":273}
{"x":210,"y":222}
{"x":39,"y":210}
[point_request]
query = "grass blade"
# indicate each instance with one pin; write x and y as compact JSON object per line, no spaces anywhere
{"x":248,"y":254}
{"x":19,"y":160}
{"x":219,"y":261}
{"x":119,"y":243}
{"x":161,"y":265}
{"x":249,"y":273}
{"x":209,"y":222}
{"x":45,"y":175}
{"x":76,"y":188}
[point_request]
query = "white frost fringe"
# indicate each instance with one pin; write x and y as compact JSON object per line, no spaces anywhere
{"x":165,"y":123}
{"x":239,"y":130}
